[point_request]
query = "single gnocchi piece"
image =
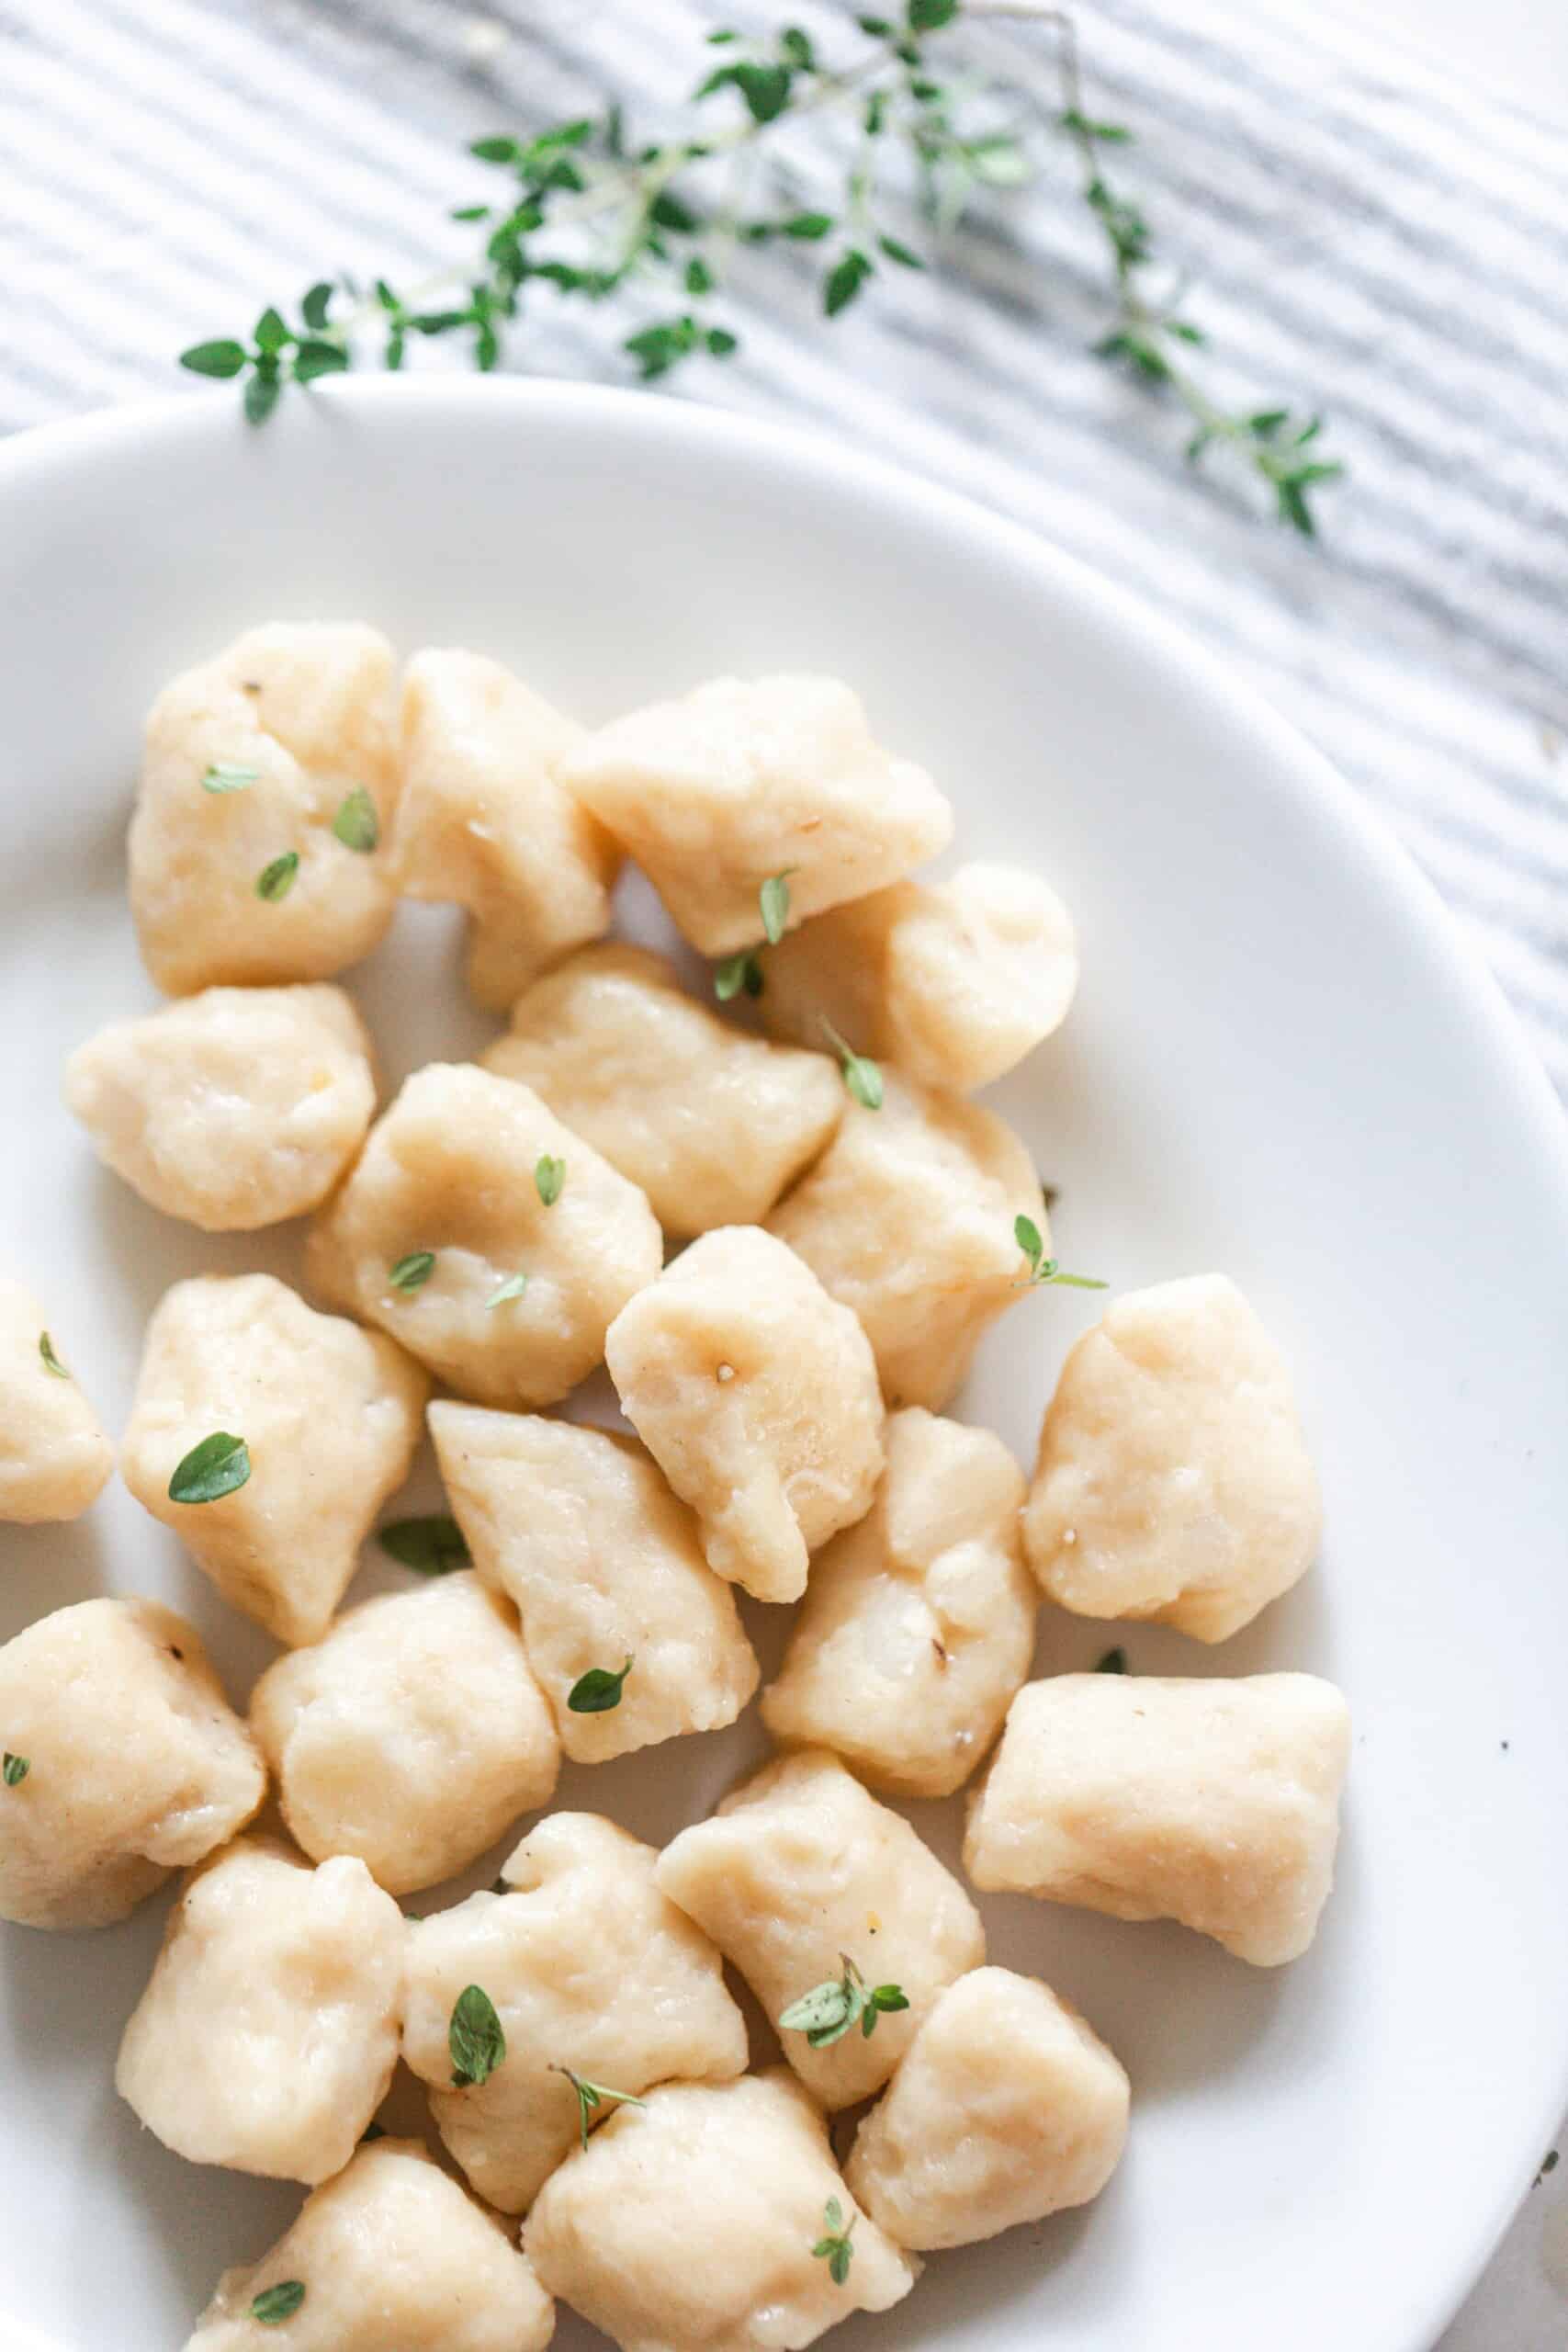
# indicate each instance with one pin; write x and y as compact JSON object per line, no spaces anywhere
{"x":907,"y":1218}
{"x":257,"y":849}
{"x":234,"y":1108}
{"x":801,"y":1870}
{"x":391,"y":2254}
{"x":588,"y":1967}
{"x":953,"y":981}
{"x":1216,"y":1803}
{"x":918,"y":1625}
{"x":604,"y":1566}
{"x":444,"y":1236}
{"x":701,"y":2223}
{"x":269,"y":2033}
{"x":757,"y":1396}
{"x":482,"y":819}
{"x":1008,"y":2107}
{"x":743,"y":779}
{"x":54,"y":1457}
{"x":1173,"y":1481}
{"x":412,"y":1736}
{"x":329,"y":1417}
{"x":125,"y":1762}
{"x":711,"y":1123}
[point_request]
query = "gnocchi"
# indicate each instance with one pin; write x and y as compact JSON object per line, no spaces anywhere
{"x":125,"y":1762}
{"x":908,"y":1219}
{"x":443,"y":1237}
{"x":269,"y":2033}
{"x":234,"y":1108}
{"x":412,"y":1735}
{"x":712,"y":1123}
{"x":54,"y":1458}
{"x":756,"y":1394}
{"x":1214,"y":1803}
{"x":327,"y":1417}
{"x":1173,"y":1481}
{"x":918,"y":1625}
{"x":744,"y":779}
{"x":603,"y":1563}
{"x":611,"y":2231}
{"x":257,"y":849}
{"x":953,"y":981}
{"x":483,"y":820}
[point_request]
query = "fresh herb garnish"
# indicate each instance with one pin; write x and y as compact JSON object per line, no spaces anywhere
{"x":1028,"y":1236}
{"x":592,"y":2094}
{"x":513,"y":1287}
{"x":595,"y":1692}
{"x":214,"y":1468}
{"x":594,"y":214}
{"x":276,"y":880}
{"x":356,"y":824}
{"x":836,"y":2248}
{"x":1113,"y":1662}
{"x":826,"y":2013}
{"x":737,"y":972}
{"x":14,"y":1770}
{"x":474,"y":2038}
{"x":50,"y":1360}
{"x":279,"y":2302}
{"x":773,"y":900}
{"x":223,"y":776}
{"x":413,"y":1271}
{"x":861,"y":1077}
{"x":549,"y":1175}
{"x":433,"y":1544}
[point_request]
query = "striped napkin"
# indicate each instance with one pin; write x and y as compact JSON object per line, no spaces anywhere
{"x":1362,"y":233}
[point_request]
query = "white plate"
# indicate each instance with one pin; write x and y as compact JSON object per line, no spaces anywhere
{"x":1280,"y":1064}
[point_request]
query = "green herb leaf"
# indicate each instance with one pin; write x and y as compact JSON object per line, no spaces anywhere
{"x":592,"y":2094}
{"x":737,"y":972}
{"x":50,"y":1360}
{"x":668,"y":212}
{"x":217,"y":1466}
{"x":317,"y":356}
{"x":549,"y":1175}
{"x":699,"y":276}
{"x":356,"y":824}
{"x":595,"y":1692}
{"x":773,"y":900}
{"x":276,"y":880}
{"x":877,"y":26}
{"x":495,"y":150}
{"x":902,"y":254}
{"x":274,"y":2305}
{"x":765,"y":89}
{"x":862,"y":1078}
{"x":223,"y":776}
{"x":845,"y":279}
{"x":1030,"y":1239}
{"x":317,"y":304}
{"x":826,"y":2013}
{"x":14,"y":1770}
{"x":1113,"y":134}
{"x":414,"y":1272}
{"x":930,"y":16}
{"x":223,"y":358}
{"x":810,"y":227}
{"x":433,"y":1544}
{"x":836,"y":2248}
{"x":721,"y":342}
{"x":1113,"y":1662}
{"x":261,"y":398}
{"x":474,"y":2038}
{"x":795,"y":46}
{"x":272,"y":330}
{"x":513,"y":1287}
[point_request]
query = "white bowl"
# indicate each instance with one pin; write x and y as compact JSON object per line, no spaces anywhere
{"x":1281,"y":1064}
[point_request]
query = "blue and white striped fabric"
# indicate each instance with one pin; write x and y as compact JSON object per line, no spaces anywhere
{"x":1364,"y":234}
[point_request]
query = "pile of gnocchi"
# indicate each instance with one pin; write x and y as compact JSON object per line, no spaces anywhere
{"x":773,"y":1212}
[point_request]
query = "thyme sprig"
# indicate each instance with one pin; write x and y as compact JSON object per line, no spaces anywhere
{"x":593,"y":215}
